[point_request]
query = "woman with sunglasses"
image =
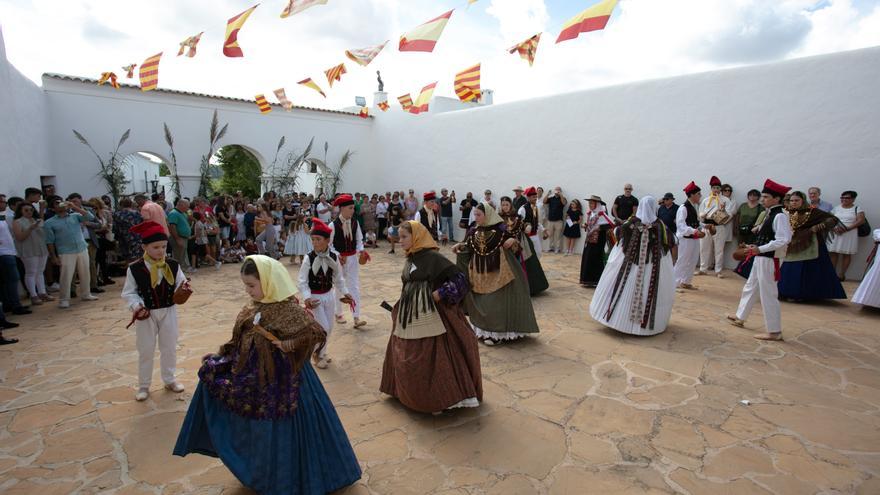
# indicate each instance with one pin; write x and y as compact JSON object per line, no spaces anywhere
{"x":845,"y":242}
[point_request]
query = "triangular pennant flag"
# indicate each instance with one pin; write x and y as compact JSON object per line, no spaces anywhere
{"x":297,"y":6}
{"x":467,"y":84}
{"x":384,"y":106}
{"x":592,"y":19}
{"x":364,"y":113}
{"x":335,"y":73}
{"x":424,"y":38}
{"x":129,"y":70}
{"x":233,"y":26}
{"x":307,"y":82}
{"x":190,"y":44}
{"x":364,"y":56}
{"x":527,"y":49}
{"x":149,"y":73}
{"x":421,"y":104}
{"x":108,"y":76}
{"x":263,"y":104}
{"x":405,"y":102}
{"x":282,"y":99}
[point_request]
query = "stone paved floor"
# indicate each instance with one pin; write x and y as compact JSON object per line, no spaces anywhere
{"x":579,"y":409}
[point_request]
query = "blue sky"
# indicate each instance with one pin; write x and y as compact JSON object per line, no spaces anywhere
{"x":645,"y":39}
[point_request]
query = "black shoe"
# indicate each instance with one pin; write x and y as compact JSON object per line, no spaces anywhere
{"x":109,"y":281}
{"x":21,"y":311}
{"x":5,"y":341}
{"x":4,"y":324}
{"x":97,"y":290}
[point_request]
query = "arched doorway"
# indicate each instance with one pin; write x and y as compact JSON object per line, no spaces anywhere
{"x":235,"y":168}
{"x":147,"y":173}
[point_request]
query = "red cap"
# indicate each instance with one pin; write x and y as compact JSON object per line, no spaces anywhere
{"x":714,"y":181}
{"x":150,"y":232}
{"x":320,"y":228}
{"x":775,"y":189}
{"x":343,"y":200}
{"x":531,"y":191}
{"x":429,"y":196}
{"x":692,"y":188}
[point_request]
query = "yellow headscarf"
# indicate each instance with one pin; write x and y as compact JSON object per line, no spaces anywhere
{"x":274,"y":279}
{"x":159,"y":269}
{"x":492,"y":217}
{"x":422,"y":239}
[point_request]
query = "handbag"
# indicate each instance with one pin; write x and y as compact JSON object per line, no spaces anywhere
{"x":864,"y":229}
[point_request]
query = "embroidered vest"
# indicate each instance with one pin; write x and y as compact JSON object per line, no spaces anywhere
{"x":161,"y":296}
{"x":767,"y":233}
{"x":531,"y":219}
{"x":321,"y":283}
{"x":692,"y":219}
{"x":343,"y":246}
{"x":423,"y":217}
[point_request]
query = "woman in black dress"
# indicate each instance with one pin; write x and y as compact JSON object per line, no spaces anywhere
{"x":597,"y":224}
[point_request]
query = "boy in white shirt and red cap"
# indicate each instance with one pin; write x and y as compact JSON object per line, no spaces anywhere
{"x":689,"y":230}
{"x":532,"y":219}
{"x":774,"y":234}
{"x":150,"y":286}
{"x":320,"y":280}
{"x":428,"y":215}
{"x":347,"y":241}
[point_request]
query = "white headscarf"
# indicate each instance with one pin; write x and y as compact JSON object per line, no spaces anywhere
{"x":647,"y":211}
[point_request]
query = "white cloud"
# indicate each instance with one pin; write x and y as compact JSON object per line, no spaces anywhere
{"x":519,"y":19}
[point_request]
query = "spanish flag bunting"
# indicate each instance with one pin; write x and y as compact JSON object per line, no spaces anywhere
{"x":363,"y":56}
{"x":149,"y":73}
{"x":282,"y":99}
{"x":424,"y":38}
{"x":190,"y":44}
{"x":421,"y":104}
{"x":307,"y":82}
{"x":335,"y":73}
{"x":383,"y":105}
{"x":108,"y":76}
{"x":233,"y":26}
{"x":297,"y":6}
{"x":364,"y":113}
{"x":263,"y":104}
{"x":405,"y":102}
{"x":129,"y":70}
{"x":527,"y":49}
{"x":592,"y":19}
{"x":467,"y":84}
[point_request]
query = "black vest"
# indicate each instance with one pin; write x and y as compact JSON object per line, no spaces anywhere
{"x":346,"y":247}
{"x":323,"y":281}
{"x":531,"y":219}
{"x":423,"y":217}
{"x":161,"y":296}
{"x":692,"y":220}
{"x":767,"y":233}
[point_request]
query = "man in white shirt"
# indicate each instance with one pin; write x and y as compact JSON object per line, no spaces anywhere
{"x":712,"y":214}
{"x":689,"y":231}
{"x":774,"y":234}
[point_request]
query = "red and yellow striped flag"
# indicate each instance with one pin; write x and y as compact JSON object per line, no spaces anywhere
{"x":405,"y":102}
{"x":335,"y":73}
{"x":364,"y":113}
{"x":263,"y":104}
{"x":297,"y":6}
{"x":424,"y":38}
{"x":383,"y":105}
{"x":190,"y":44}
{"x":421,"y":104}
{"x":233,"y":26}
{"x":467,"y":84}
{"x":108,"y":76}
{"x":307,"y":82}
{"x":149,"y":73}
{"x":363,"y":56}
{"x":282,"y":99}
{"x":527,"y":49}
{"x":592,"y":19}
{"x":129,"y":69}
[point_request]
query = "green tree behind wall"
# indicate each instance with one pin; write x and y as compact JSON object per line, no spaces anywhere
{"x":241,"y":171}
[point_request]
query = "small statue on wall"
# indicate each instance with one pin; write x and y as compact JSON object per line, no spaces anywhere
{"x":381,"y":83}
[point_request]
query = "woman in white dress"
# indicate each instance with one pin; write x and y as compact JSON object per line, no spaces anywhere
{"x":637,"y":288}
{"x":868,"y":293}
{"x":846,"y":243}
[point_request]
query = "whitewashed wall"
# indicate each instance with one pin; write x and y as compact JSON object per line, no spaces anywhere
{"x":24,"y":150}
{"x":806,"y":122}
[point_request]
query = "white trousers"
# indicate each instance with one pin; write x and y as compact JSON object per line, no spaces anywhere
{"x":161,"y":326}
{"x":688,"y":256}
{"x":536,"y":240}
{"x":762,"y":283}
{"x":34,"y":266}
{"x":324,"y":315}
{"x":78,"y":262}
{"x":351,"y":274}
{"x":712,"y":249}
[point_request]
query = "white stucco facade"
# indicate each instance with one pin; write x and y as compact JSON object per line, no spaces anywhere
{"x":803,"y":122}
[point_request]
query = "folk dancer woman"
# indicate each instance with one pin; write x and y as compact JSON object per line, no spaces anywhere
{"x":868,"y":293}
{"x":597,"y":224}
{"x":432,"y":362}
{"x":637,"y":289}
{"x":530,"y":262}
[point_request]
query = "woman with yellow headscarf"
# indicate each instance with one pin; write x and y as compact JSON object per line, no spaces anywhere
{"x":259,"y":405}
{"x":432,"y":362}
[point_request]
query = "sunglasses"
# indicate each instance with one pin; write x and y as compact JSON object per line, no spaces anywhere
{"x":846,"y":197}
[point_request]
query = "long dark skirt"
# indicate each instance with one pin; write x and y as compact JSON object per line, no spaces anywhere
{"x":810,"y":280}
{"x":535,"y":272}
{"x":593,"y":259}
